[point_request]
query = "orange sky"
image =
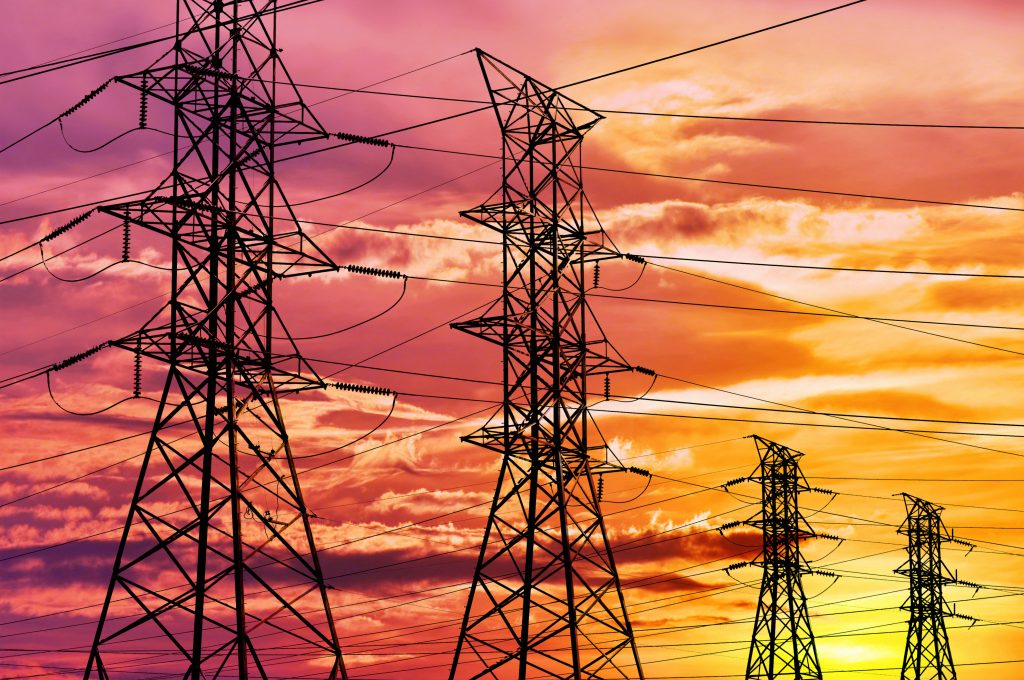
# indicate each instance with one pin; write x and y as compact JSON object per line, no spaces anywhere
{"x":948,"y":61}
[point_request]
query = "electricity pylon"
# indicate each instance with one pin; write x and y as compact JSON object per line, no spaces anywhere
{"x":546,"y":601}
{"x":216,"y":573}
{"x":782,"y":644}
{"x":928,"y":655}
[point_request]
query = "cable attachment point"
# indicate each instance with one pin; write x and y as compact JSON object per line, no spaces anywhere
{"x":968,"y":584}
{"x":126,"y":242}
{"x":75,"y":358}
{"x":644,"y":371}
{"x":86,"y":99}
{"x":68,"y":226}
{"x":373,"y":271}
{"x":362,"y":389}
{"x":362,"y":139}
{"x":963,"y":617}
{"x":144,"y":102}
{"x":634,"y":258}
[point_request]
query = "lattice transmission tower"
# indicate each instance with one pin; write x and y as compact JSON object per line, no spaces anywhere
{"x":546,"y":601}
{"x":216,"y":574}
{"x":782,"y":643}
{"x":928,"y":655}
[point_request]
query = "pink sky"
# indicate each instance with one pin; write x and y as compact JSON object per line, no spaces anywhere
{"x":952,"y":61}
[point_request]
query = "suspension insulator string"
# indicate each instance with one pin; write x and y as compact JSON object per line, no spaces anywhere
{"x":126,"y":242}
{"x":144,"y":103}
{"x":137,"y":386}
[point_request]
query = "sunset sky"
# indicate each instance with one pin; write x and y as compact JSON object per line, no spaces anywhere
{"x":945,"y":62}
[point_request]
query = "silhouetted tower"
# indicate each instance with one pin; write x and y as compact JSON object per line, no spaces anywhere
{"x":216,"y":574}
{"x":928,"y":655}
{"x":782,"y":644}
{"x":546,"y":601}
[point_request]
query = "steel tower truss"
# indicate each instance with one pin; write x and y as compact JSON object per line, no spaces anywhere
{"x":928,"y":655}
{"x":216,"y":574}
{"x":546,"y":601}
{"x":782,"y":644}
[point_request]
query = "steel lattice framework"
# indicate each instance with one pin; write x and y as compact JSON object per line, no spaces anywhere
{"x":782,"y":644}
{"x":546,"y":601}
{"x":928,"y":655}
{"x":216,"y":574}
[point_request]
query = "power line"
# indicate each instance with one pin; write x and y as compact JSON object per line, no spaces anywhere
{"x":864,"y":270}
{"x":777,"y":187}
{"x":346,"y":91}
{"x":788,"y":409}
{"x":346,"y":225}
{"x":79,"y":206}
{"x":25,"y":619}
{"x":669,"y":114}
{"x":832,"y":315}
{"x":289,"y":219}
{"x":76,"y":59}
{"x":709,"y":45}
{"x":829,"y":414}
{"x":105,"y":44}
{"x":41,"y":69}
{"x":82,"y":538}
{"x":875,"y":425}
{"x":614,"y":397}
{"x":453,"y":397}
{"x":922,"y":479}
{"x":809,"y":121}
{"x":72,"y":480}
{"x":837,"y":311}
{"x":739,"y":308}
{"x":804,"y":190}
{"x":402,"y":594}
{"x":396,"y":232}
{"x":491,"y":156}
{"x":831,"y":670}
{"x":374,"y":368}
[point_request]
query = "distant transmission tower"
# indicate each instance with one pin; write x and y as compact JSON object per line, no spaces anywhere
{"x":216,"y":574}
{"x":782,"y":645}
{"x":546,"y":601}
{"x":928,"y":655}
